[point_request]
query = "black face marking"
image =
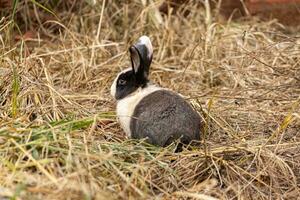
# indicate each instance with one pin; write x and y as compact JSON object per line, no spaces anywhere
{"x":126,"y":84}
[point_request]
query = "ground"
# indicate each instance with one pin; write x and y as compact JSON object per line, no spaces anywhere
{"x":59,"y":138}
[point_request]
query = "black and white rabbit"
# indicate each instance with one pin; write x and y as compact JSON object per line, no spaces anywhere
{"x":145,"y":110}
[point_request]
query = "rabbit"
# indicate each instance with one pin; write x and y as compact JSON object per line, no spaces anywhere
{"x":146,"y":110}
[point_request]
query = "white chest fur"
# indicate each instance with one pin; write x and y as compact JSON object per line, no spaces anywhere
{"x":126,"y":106}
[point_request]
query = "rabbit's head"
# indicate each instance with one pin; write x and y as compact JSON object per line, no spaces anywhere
{"x":129,"y":80}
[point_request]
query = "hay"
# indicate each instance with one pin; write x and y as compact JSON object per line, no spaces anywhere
{"x":59,"y":138}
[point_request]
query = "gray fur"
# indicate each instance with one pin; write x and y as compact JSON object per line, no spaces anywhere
{"x":162,"y":117}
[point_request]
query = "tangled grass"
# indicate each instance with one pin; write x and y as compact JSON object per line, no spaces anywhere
{"x":59,"y":138}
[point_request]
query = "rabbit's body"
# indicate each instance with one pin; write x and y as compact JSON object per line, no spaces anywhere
{"x":148,"y":111}
{"x":164,"y":116}
{"x":127,"y":106}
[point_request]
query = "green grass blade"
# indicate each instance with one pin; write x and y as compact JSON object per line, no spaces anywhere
{"x":15,"y":92}
{"x":15,"y":3}
{"x":45,"y":8}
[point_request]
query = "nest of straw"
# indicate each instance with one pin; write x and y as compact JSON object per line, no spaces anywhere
{"x":59,"y":138}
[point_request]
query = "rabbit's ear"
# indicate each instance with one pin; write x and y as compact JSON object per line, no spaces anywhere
{"x":141,"y":57}
{"x":135,"y":59}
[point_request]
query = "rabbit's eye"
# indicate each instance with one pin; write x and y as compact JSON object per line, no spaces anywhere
{"x":122,"y":82}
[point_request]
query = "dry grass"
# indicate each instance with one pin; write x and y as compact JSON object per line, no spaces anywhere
{"x":59,"y":138}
